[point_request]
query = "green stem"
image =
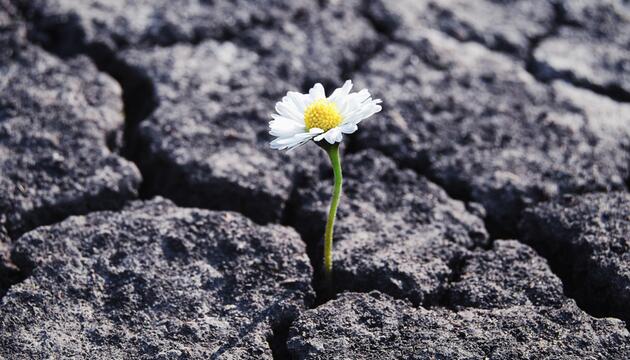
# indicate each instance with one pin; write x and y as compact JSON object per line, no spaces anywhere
{"x":333,"y":154}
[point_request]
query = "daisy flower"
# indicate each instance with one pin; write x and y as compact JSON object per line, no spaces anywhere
{"x":313,"y":116}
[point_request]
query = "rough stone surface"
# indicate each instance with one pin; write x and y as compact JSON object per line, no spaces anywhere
{"x":396,"y":231}
{"x":503,"y":303}
{"x":300,"y":41}
{"x":592,"y":49}
{"x":9,"y":273}
{"x":122,"y":23}
{"x":326,"y":45}
{"x":374,"y":326}
{"x":507,"y":26}
{"x":209,"y":129}
{"x":508,"y":274}
{"x":8,"y":15}
{"x":58,"y":122}
{"x":206,"y":144}
{"x":475,"y":99}
{"x":485,"y":129}
{"x":153,"y":281}
{"x":586,"y":240}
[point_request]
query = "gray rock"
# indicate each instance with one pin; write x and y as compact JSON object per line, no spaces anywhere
{"x":300,"y":41}
{"x":503,"y":303}
{"x":509,"y":274}
{"x":9,"y":272}
{"x":395,"y":231}
{"x":507,"y":26}
{"x":374,"y":326}
{"x":485,"y":129}
{"x":591,"y":49}
{"x":59,"y":123}
{"x":586,"y":240}
{"x":207,"y":142}
{"x":8,"y":15}
{"x":66,"y":25}
{"x":153,"y":281}
{"x":211,"y":102}
{"x":326,"y":46}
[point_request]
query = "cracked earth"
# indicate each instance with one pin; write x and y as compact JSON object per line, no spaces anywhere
{"x":485,"y":212}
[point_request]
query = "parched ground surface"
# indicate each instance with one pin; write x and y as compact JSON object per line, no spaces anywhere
{"x":485,"y":212}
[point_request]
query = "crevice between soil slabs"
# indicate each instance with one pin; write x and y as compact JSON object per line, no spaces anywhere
{"x":573,"y":266}
{"x":312,"y":235}
{"x":278,"y":341}
{"x":11,"y":272}
{"x":139,"y":101}
{"x":65,"y":38}
{"x":558,"y":19}
{"x":542,"y":72}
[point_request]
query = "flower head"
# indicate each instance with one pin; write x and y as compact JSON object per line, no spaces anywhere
{"x":313,"y":116}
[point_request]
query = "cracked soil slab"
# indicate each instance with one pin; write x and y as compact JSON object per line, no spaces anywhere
{"x":481,"y":126}
{"x":59,"y":122}
{"x":153,"y":281}
{"x":586,"y":240}
{"x":396,"y":231}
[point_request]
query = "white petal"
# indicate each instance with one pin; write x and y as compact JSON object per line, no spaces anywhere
{"x":288,"y":110}
{"x":300,"y":100}
{"x":283,"y":127}
{"x":362,"y":112}
{"x":317,"y":92}
{"x":333,"y":135}
{"x":319,"y":137}
{"x":348,"y":128}
{"x":353,"y":102}
{"x":347,"y":104}
{"x":339,"y":136}
{"x":291,"y":142}
{"x":277,"y":117}
{"x":282,"y":119}
{"x":341,"y":92}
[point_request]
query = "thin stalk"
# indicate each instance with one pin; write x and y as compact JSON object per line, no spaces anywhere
{"x":333,"y":154}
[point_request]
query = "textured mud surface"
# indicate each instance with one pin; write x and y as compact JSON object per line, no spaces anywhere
{"x":505,"y":304}
{"x":375,"y":326}
{"x":414,"y":233}
{"x":586,"y":239}
{"x":154,"y":281}
{"x":484,"y":128}
{"x":501,"y":120}
{"x":590,"y":47}
{"x":59,"y":124}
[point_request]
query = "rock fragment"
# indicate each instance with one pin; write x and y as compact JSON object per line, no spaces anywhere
{"x":396,"y":231}
{"x":375,"y":326}
{"x":508,"y":274}
{"x":482,"y":127}
{"x":591,"y":48}
{"x":153,"y":281}
{"x":207,"y":143}
{"x":59,"y":125}
{"x":299,"y":41}
{"x":586,"y":240}
{"x":506,"y":26}
{"x":327,"y":45}
{"x":502,"y":303}
{"x":68,"y":25}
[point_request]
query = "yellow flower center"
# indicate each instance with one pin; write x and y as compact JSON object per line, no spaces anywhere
{"x":322,"y":114}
